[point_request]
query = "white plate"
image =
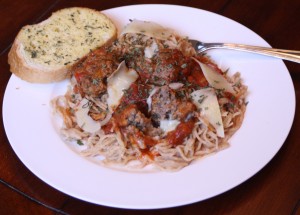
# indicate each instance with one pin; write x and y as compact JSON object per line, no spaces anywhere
{"x":29,"y":127}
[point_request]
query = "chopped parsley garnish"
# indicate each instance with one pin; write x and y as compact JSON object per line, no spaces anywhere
{"x":201,"y":98}
{"x":33,"y":54}
{"x":183,"y":65}
{"x":95,"y":81}
{"x":79,"y":142}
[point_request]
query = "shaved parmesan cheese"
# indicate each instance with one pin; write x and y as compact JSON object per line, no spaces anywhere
{"x":151,"y":50}
{"x":215,"y":79}
{"x":149,"y":99}
{"x":84,"y":121}
{"x":150,"y":29}
{"x":120,"y":80}
{"x":168,"y":125}
{"x":106,"y":119}
{"x":207,"y":102}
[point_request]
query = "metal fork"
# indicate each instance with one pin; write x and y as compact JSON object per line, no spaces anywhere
{"x":284,"y":54}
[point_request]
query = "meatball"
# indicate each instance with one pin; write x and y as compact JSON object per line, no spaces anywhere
{"x":166,"y":105}
{"x":91,"y":73}
{"x":164,"y":67}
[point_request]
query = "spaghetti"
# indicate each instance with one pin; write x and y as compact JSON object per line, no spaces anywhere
{"x":149,"y":98}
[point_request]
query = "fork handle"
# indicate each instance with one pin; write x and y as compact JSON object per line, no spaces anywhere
{"x":278,"y":53}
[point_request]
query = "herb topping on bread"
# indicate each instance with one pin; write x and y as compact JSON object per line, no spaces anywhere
{"x":45,"y":52}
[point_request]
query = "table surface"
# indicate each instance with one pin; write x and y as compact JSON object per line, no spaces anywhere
{"x":273,"y":190}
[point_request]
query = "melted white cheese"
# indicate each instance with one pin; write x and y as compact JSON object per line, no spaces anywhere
{"x":215,"y":79}
{"x":207,"y":102}
{"x":83,"y":119}
{"x":151,"y":50}
{"x":120,"y":80}
{"x":150,"y":29}
{"x":168,"y":125}
{"x":176,"y":85}
{"x":149,"y":99}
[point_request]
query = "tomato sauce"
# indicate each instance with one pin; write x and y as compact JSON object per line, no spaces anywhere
{"x":182,"y":131}
{"x":147,"y":140}
{"x":108,"y":128}
{"x":137,"y":94}
{"x":197,"y":77}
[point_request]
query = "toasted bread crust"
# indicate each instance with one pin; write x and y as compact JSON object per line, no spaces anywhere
{"x":36,"y":73}
{"x":23,"y":70}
